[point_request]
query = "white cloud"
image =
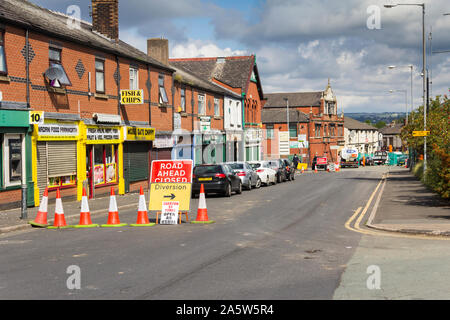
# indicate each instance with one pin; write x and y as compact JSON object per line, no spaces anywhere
{"x":198,"y":49}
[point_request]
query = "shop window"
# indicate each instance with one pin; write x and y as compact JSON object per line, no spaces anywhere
{"x":54,"y":56}
{"x":99,"y":76}
{"x":3,"y":69}
{"x":293,"y":130}
{"x":162,"y":90}
{"x":105,"y":166}
{"x":134,"y":79}
{"x":12,"y":155}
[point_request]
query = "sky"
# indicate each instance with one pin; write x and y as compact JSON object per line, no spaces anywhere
{"x":300,"y":44}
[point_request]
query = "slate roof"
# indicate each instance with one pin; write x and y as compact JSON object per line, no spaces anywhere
{"x":232,"y":71}
{"x":395,"y":129}
{"x":194,"y":81}
{"x":277,"y":115}
{"x":353,"y":124}
{"x":29,"y":15}
{"x":296,"y":99}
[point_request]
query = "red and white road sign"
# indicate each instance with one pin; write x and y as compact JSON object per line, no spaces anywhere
{"x":171,"y":171}
{"x":322,"y":160}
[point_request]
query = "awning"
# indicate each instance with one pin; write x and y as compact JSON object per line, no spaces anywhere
{"x":107,"y":118}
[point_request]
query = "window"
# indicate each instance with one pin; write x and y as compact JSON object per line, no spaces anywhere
{"x":104,"y":164}
{"x":292,"y":130}
{"x":216,"y":107}
{"x":269,"y":131}
{"x":3,"y":69}
{"x":317,"y":130}
{"x":201,"y":105}
{"x":183,"y":100}
{"x":134,"y":79}
{"x":12,"y":155}
{"x":162,"y":90}
{"x":340,"y":131}
{"x":99,"y":76}
{"x":54,"y":57}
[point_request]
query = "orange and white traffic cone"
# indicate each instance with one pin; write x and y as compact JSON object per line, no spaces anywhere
{"x":315,"y":170}
{"x":41,"y":217}
{"x":85,"y":214}
{"x":303,"y":170}
{"x":142,"y":218}
{"x":202,"y":212}
{"x":59,"y":221}
{"x":113,"y":215}
{"x":337,"y":167}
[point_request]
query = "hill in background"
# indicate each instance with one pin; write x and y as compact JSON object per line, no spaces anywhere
{"x":374,"y":118}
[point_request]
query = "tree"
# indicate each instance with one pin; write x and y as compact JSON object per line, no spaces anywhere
{"x":380,"y":124}
{"x":438,"y":143}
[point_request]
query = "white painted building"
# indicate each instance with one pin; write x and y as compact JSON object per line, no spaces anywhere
{"x":361,"y":136}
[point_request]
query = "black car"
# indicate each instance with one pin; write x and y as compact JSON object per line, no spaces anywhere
{"x":216,"y":178}
{"x":290,"y":169}
{"x":279,"y":166}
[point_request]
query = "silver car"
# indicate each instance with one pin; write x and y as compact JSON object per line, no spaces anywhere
{"x":249,"y":177}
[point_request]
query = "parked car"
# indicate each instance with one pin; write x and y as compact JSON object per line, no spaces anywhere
{"x":280,"y":168}
{"x":290,"y":169}
{"x":265,"y":172}
{"x":248,"y":176}
{"x":216,"y":178}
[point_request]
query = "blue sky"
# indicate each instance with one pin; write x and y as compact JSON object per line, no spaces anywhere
{"x":299,"y":44}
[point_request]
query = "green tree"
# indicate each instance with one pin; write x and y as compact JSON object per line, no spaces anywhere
{"x":437,"y":176}
{"x":380,"y":124}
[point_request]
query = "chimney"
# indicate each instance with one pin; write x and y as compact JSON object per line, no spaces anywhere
{"x":158,"y":48}
{"x":105,"y":18}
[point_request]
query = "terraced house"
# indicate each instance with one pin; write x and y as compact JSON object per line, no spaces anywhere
{"x":63,"y":124}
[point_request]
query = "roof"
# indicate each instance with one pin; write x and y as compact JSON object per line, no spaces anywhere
{"x":353,"y":124}
{"x":194,"y":81}
{"x":395,"y":129}
{"x":29,"y":15}
{"x":296,"y":99}
{"x":233,"y":71}
{"x":277,"y":115}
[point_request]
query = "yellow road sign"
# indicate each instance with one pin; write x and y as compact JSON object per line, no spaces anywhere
{"x":420,"y":133}
{"x":160,"y":192}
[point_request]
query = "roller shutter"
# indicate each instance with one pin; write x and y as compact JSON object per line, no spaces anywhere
{"x":41,"y":167}
{"x":136,"y":161}
{"x":62,"y":158}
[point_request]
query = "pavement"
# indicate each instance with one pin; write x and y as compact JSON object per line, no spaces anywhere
{"x":405,"y":205}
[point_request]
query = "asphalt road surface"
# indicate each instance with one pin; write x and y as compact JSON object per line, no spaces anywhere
{"x":286,"y":241}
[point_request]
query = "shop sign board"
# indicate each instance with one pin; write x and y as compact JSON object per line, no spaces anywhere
{"x":132,"y":96}
{"x":163,"y":142}
{"x":139,"y":134}
{"x":36,"y":117}
{"x":205,"y":124}
{"x":102,"y":134}
{"x":54,"y":130}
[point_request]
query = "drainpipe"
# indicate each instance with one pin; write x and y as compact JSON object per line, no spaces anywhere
{"x":24,"y":213}
{"x":243,"y":128}
{"x":118,"y":85}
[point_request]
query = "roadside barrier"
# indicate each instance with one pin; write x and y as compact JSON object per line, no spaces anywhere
{"x":113,"y":214}
{"x":142,"y":218}
{"x":85,"y":214}
{"x":60,"y":220}
{"x":202,"y":212}
{"x":41,"y":217}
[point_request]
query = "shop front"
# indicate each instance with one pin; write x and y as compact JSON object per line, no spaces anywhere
{"x":136,"y":156}
{"x":55,"y":149}
{"x":162,"y":147}
{"x":15,"y":159}
{"x":253,"y":143}
{"x":104,"y":155}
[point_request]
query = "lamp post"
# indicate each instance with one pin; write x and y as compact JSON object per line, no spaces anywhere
{"x":412,"y":104}
{"x":423,"y":74}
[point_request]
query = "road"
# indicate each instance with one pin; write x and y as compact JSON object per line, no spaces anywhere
{"x":286,"y":241}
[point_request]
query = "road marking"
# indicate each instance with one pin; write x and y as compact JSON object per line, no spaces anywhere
{"x":356,"y":227}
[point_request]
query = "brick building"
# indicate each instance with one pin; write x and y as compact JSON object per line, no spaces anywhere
{"x":73,"y":71}
{"x":315,"y":128}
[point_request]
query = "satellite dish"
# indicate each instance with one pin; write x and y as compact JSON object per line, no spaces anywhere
{"x":54,"y":73}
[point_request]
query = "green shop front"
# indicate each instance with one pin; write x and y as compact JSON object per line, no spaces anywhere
{"x":15,"y":159}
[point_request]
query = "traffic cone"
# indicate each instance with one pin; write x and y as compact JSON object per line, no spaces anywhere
{"x":142,"y":218}
{"x":113,"y":216}
{"x":59,"y":221}
{"x":41,"y":217}
{"x":315,"y":170}
{"x":303,"y":170}
{"x":202,"y":212}
{"x":85,"y":214}
{"x":337,"y":167}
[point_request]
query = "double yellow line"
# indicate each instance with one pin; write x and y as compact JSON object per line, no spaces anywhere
{"x":360,"y":213}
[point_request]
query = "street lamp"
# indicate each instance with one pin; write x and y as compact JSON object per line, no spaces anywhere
{"x":406,"y":100}
{"x":412,"y":104}
{"x":423,"y":72}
